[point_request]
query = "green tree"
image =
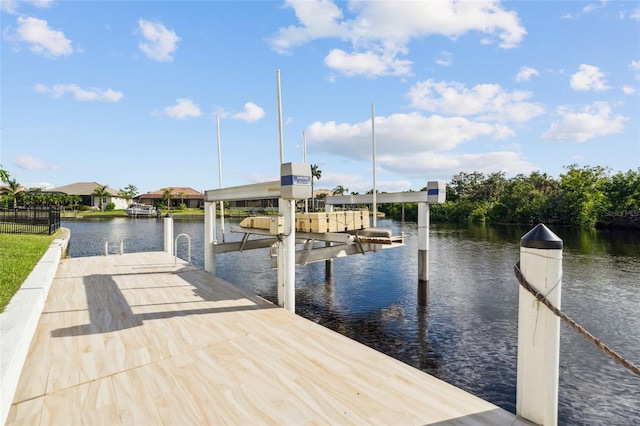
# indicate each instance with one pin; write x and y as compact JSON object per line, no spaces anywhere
{"x":12,"y":190}
{"x":167,"y":196}
{"x":339,"y":190}
{"x":581,"y":198}
{"x":623,"y":191}
{"x":102,"y":193}
{"x":129,"y":193}
{"x":4,"y":176}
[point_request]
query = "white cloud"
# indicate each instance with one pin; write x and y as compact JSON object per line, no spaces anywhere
{"x":526,"y":73}
{"x":42,"y":39}
{"x":589,"y":78}
{"x":40,"y":185}
{"x":183,"y":108}
{"x":635,"y":66}
{"x":398,"y":134}
{"x":158,"y":42}
{"x":628,"y":90}
{"x":93,"y":94}
{"x":444,"y":59}
{"x":592,"y":121}
{"x":591,"y":7}
{"x":635,"y":15}
{"x":381,"y":31}
{"x":251,"y":113}
{"x":370,"y":64}
{"x":28,"y":162}
{"x":486,"y":101}
{"x":586,"y":9}
{"x":11,"y":6}
{"x":447,"y":164}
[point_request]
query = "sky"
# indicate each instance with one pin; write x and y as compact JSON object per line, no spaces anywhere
{"x":130,"y":92}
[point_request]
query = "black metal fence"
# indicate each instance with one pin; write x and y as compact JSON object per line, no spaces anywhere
{"x":30,"y":220}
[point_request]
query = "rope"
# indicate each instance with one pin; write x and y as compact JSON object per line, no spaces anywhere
{"x":577,"y":327}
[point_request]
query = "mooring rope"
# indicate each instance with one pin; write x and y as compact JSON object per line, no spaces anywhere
{"x":577,"y":327}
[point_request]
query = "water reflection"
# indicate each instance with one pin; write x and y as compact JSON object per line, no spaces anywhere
{"x":466,"y":331}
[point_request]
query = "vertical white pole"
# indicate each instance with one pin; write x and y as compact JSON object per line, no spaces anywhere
{"x":209,"y":237}
{"x":282,"y":209}
{"x":304,"y":160}
{"x":168,"y":234}
{"x":328,"y":264}
{"x":289,"y":242}
{"x":423,"y":242}
{"x":280,"y":119}
{"x":373,"y":141}
{"x":220,"y":176}
{"x":539,"y":328}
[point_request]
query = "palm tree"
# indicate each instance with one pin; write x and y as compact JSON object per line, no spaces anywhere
{"x":182,"y":200}
{"x":166,"y":197}
{"x":339,"y":190}
{"x":101,"y":192}
{"x":11,"y":190}
{"x":4,"y":176}
{"x":315,"y":173}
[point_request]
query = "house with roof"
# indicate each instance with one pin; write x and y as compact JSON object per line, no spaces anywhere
{"x":191,"y":198}
{"x":86,"y":191}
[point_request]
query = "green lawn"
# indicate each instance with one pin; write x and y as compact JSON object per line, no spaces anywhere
{"x":18,"y":256}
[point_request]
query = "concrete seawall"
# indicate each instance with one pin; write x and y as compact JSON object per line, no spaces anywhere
{"x":19,"y":320}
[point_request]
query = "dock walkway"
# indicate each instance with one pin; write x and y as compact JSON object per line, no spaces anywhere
{"x":131,"y":339}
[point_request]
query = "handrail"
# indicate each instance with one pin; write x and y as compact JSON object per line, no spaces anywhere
{"x":175,"y":249}
{"x":106,"y":247}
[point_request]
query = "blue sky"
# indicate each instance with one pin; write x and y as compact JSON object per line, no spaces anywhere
{"x":127,"y":92}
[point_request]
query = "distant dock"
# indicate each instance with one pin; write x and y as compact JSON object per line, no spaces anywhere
{"x":133,"y":339}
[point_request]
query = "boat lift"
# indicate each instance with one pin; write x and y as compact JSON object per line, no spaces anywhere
{"x":282,"y":229}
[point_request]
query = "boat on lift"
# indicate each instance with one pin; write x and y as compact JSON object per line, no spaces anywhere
{"x":141,"y":210}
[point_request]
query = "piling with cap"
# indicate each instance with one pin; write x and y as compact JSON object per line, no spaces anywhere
{"x":539,"y":328}
{"x":168,"y":233}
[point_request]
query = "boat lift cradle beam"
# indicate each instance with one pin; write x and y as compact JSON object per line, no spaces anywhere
{"x":345,"y":244}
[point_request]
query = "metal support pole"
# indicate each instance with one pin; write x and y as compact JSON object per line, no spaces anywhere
{"x":539,"y":328}
{"x":209,"y":237}
{"x":168,"y":234}
{"x":290,"y":257}
{"x":286,"y":257}
{"x":328,"y":264}
{"x":220,"y":176}
{"x":373,"y":143}
{"x":423,"y":242}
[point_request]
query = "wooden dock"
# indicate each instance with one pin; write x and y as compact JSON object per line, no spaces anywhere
{"x":131,"y":339}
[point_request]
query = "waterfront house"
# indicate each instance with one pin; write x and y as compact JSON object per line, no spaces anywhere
{"x":86,"y":191}
{"x":191,"y":198}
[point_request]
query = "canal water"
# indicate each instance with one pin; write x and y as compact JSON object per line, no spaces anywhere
{"x":466,"y":334}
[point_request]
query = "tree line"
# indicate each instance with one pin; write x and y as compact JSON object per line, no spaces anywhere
{"x":582,"y":196}
{"x":12,"y":195}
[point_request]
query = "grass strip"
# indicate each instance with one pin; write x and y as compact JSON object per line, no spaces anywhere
{"x":19,"y":254}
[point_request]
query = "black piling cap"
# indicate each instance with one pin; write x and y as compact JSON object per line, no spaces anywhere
{"x":541,"y":237}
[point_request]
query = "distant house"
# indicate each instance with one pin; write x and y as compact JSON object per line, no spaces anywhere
{"x":85,"y":190}
{"x":179,"y":195}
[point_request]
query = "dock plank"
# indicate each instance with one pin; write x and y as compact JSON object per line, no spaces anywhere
{"x":133,"y":339}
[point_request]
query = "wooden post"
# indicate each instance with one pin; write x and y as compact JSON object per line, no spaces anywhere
{"x":209,"y":237}
{"x":539,"y":328}
{"x":168,"y":234}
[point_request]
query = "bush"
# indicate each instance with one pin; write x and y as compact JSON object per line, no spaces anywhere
{"x":111,"y":206}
